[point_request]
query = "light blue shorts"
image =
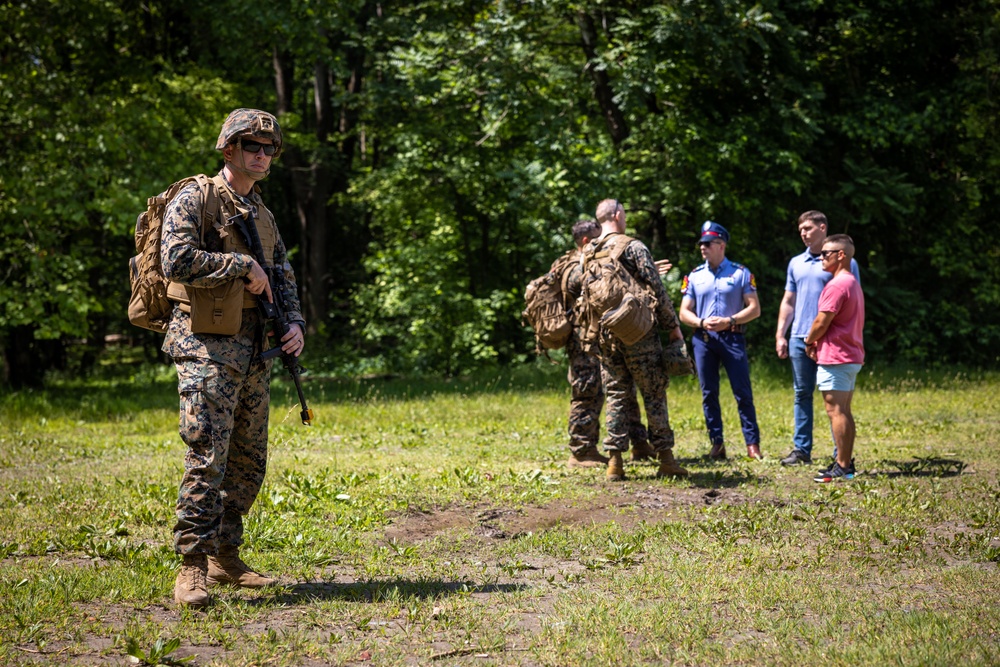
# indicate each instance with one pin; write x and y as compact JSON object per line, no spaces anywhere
{"x":837,"y":377}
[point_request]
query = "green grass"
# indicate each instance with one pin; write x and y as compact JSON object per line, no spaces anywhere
{"x":423,"y":521}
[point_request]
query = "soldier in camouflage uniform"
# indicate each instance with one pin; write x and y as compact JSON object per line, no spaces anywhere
{"x":624,"y":368}
{"x":584,"y":378}
{"x":222,"y":381}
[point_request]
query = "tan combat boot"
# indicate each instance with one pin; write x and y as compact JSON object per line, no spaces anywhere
{"x":587,"y":458}
{"x":669,"y":467}
{"x":616,"y":468}
{"x":190,"y":589}
{"x":228,"y":568}
{"x":642,"y":451}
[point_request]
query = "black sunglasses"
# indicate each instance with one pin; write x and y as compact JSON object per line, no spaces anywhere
{"x":251,"y":146}
{"x":826,"y":253}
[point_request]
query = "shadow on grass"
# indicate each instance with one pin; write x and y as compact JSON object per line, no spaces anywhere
{"x":922,"y":467}
{"x":719,"y":480}
{"x":720,"y":474}
{"x":380,"y":591}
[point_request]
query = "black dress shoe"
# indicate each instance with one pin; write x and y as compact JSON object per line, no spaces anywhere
{"x":795,"y":457}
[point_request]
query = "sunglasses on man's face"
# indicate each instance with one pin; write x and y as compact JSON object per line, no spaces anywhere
{"x":826,"y":253}
{"x":251,"y":146}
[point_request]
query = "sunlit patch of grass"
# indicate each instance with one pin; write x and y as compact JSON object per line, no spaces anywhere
{"x":411,"y":521}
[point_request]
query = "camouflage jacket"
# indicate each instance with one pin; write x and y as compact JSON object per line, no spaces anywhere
{"x":186,"y":262}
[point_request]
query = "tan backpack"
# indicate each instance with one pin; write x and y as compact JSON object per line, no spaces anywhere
{"x":546,"y":310}
{"x":148,"y":306}
{"x":612,"y":298}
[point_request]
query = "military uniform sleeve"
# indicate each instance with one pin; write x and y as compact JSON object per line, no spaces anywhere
{"x":638,"y":256}
{"x":574,"y":282}
{"x":183,"y":259}
{"x":291,"y":289}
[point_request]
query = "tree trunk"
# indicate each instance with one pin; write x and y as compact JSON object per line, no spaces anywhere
{"x":613,"y":117}
{"x":309,"y":189}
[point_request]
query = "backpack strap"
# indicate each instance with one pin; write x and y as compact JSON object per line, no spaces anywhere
{"x":617,"y":249}
{"x":209,"y":200}
{"x":226,"y":204}
{"x":621,"y":246}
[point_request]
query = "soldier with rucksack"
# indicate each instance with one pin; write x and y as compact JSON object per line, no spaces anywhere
{"x":584,"y":376}
{"x":624,"y":306}
{"x":551,"y":311}
{"x":215,"y":337}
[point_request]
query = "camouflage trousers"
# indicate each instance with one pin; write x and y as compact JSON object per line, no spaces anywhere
{"x":587,"y":399}
{"x":223,"y":421}
{"x":625,"y":369}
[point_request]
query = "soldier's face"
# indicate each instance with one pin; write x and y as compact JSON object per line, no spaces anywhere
{"x":252,"y":153}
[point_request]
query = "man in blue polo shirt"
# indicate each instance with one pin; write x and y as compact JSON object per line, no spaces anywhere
{"x":805,"y":281}
{"x":719,"y":298}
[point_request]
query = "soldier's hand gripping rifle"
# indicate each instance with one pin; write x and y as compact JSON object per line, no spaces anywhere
{"x":275,"y":312}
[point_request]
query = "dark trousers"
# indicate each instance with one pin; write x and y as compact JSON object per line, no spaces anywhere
{"x":712,"y":349}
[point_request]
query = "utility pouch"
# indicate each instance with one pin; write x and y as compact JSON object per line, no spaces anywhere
{"x":218,"y":310}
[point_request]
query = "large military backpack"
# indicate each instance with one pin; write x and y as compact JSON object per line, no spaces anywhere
{"x":149,"y":307}
{"x":612,"y":299}
{"x":546,"y":310}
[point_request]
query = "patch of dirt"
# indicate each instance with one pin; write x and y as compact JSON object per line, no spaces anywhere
{"x":548,"y":577}
{"x":626,"y":507}
{"x":420,"y":526}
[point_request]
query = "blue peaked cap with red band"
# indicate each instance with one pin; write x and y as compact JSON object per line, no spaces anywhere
{"x":711,"y":231}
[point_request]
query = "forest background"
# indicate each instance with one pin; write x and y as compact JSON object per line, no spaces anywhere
{"x":437,"y":153}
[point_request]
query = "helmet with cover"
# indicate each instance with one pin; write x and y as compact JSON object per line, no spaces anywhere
{"x":242,"y":122}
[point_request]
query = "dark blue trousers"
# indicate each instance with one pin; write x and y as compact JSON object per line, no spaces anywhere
{"x":729,"y":349}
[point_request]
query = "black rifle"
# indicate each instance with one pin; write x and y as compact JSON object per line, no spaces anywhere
{"x":275,"y":312}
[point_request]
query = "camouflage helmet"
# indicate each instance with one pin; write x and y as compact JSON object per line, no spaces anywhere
{"x":258,"y":123}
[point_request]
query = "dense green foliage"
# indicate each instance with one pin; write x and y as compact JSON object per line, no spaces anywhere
{"x":439,"y":152}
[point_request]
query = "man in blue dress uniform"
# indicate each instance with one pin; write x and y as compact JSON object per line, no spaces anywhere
{"x":799,"y":307}
{"x":719,"y":298}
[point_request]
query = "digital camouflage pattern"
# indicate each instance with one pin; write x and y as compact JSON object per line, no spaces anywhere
{"x":676,"y":360}
{"x":625,"y":369}
{"x":638,"y":261}
{"x":255,"y":122}
{"x":223,"y":385}
{"x":586,"y":398}
{"x":586,"y":387}
{"x":223,"y":421}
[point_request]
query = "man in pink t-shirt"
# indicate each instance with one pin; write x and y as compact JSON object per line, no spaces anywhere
{"x":836,"y":343}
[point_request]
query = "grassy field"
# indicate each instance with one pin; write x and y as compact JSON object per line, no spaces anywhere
{"x":435,"y":523}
